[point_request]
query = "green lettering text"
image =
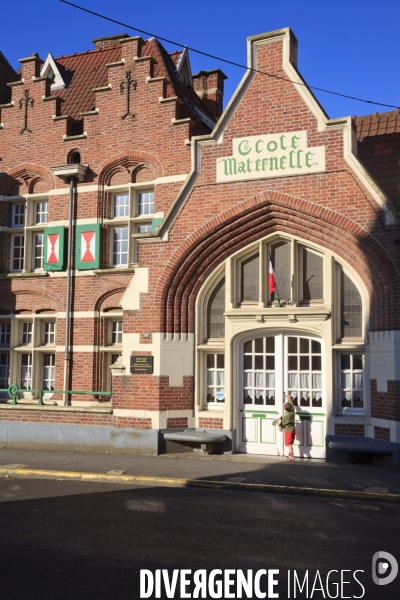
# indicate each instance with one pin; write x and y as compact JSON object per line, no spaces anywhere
{"x":229,"y":166}
{"x":244,"y":147}
{"x":295,"y":141}
{"x":258,"y":142}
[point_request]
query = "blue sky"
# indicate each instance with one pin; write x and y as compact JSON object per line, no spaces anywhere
{"x":348,"y":46}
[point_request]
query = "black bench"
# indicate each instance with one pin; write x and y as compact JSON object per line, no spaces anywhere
{"x":207,"y":440}
{"x":362,"y":444}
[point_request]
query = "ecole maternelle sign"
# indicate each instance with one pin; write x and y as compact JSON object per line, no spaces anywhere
{"x":276,"y":155}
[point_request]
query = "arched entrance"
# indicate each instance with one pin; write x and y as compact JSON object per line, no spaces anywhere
{"x":270,"y":365}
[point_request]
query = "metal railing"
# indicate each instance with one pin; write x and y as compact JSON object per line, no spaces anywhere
{"x":14,"y":391}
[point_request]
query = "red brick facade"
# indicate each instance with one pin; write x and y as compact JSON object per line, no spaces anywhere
{"x":355,"y":430}
{"x":138,"y":121}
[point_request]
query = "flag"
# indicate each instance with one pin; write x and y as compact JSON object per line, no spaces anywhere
{"x":271,"y":277}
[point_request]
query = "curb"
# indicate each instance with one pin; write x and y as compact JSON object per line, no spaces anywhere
{"x":200,"y":483}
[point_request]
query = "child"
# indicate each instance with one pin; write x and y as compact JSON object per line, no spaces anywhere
{"x":288,"y":426}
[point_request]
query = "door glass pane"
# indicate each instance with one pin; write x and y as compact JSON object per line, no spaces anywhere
{"x":312,"y":275}
{"x":281,"y":262}
{"x":259,"y":372}
{"x":315,"y":347}
{"x":258,"y":362}
{"x":304,"y":369}
{"x":304,"y":363}
{"x":258,"y":345}
{"x":304,"y":346}
{"x":270,"y":344}
{"x":249,"y":279}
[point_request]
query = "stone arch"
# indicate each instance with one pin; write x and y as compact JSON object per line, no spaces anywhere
{"x":54,"y":302}
{"x":130,"y":162}
{"x":100,"y":299}
{"x":252,"y":220}
{"x":28,"y":175}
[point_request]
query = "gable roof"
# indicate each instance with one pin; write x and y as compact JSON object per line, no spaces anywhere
{"x":84,"y":72}
{"x":378,"y":145}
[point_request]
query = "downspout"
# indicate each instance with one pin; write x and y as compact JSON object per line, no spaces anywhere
{"x":68,"y":302}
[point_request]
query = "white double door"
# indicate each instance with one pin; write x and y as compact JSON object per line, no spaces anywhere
{"x":272,"y":365}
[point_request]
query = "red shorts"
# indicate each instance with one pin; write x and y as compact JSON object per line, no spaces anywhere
{"x":289,"y":437}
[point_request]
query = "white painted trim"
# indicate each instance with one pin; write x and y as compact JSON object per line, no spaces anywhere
{"x":76,"y":349}
{"x":171,"y":179}
{"x":50,"y":65}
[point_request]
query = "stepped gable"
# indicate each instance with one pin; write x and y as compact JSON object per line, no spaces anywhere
{"x":166,"y":67}
{"x":378,"y":137}
{"x":7,"y":75}
{"x":86,"y":71}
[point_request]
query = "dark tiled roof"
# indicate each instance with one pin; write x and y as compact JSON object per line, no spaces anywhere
{"x":378,"y":138}
{"x":85,"y":72}
{"x":175,"y":56}
{"x":88,"y":70}
{"x":166,"y":66}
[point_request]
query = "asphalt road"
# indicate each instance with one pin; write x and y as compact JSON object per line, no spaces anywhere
{"x":73,"y":540}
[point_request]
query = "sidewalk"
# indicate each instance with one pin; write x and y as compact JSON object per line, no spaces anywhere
{"x":239,"y":469}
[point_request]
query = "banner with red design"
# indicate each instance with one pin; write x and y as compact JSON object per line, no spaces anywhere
{"x":87,"y":254}
{"x":53,"y":249}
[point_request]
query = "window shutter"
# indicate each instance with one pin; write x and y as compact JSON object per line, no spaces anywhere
{"x":53,"y":249}
{"x":87,"y":253}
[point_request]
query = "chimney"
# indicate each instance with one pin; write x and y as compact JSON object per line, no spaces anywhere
{"x":109,"y":41}
{"x":209,"y":86}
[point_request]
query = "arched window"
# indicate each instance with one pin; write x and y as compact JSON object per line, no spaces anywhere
{"x":215,"y":311}
{"x":281,"y":260}
{"x":312,"y":268}
{"x":249,"y":279}
{"x":350,"y":308}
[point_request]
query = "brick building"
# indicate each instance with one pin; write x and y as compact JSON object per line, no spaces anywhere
{"x":140,"y":224}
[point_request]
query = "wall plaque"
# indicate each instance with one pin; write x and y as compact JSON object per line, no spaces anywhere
{"x":142,"y":364}
{"x":275,"y":155}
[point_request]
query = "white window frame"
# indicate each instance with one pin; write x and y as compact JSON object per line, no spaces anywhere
{"x":19,"y":267}
{"x":116,"y":331}
{"x":214,"y":405}
{"x":27,"y":334}
{"x":29,"y":367}
{"x":18,"y":215}
{"x":143,"y":207}
{"x":35,"y":217}
{"x":51,"y":367}
{"x":40,"y":212}
{"x":130,"y":217}
{"x":110,"y":350}
{"x":4,"y":368}
{"x":28,"y":337}
{"x":306,"y":301}
{"x":5,"y":332}
{"x":243,"y":303}
{"x":37,"y":246}
{"x":115,"y":261}
{"x":49,"y":333}
{"x":351,"y":410}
